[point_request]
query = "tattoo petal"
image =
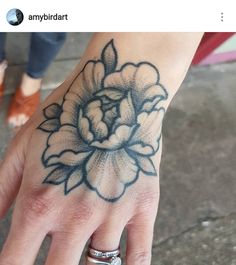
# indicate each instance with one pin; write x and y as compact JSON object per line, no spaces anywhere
{"x":111,"y":93}
{"x":123,"y":79}
{"x":153,"y":95}
{"x":149,"y":105}
{"x":88,"y":81}
{"x":127,"y":112}
{"x":141,"y":79}
{"x":69,"y":158}
{"x":146,"y":76}
{"x":71,"y":107}
{"x":155,"y":91}
{"x":109,"y":116}
{"x":66,"y":138}
{"x":95,"y":116}
{"x":141,"y":148}
{"x":149,"y":130}
{"x":84,"y":128}
{"x":109,"y":173}
{"x":121,"y":136}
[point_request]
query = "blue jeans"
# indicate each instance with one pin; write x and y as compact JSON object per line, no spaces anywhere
{"x":43,"y":49}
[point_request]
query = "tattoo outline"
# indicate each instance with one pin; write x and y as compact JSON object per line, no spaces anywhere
{"x":107,"y":128}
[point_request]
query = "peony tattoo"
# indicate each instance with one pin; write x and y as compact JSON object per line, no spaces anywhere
{"x":107,"y":128}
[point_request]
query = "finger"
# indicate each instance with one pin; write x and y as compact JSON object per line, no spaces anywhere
{"x":66,"y":248}
{"x":139,"y":240}
{"x":22,"y":245}
{"x":33,"y":217}
{"x":72,"y":234}
{"x":11,"y":169}
{"x":107,"y":237}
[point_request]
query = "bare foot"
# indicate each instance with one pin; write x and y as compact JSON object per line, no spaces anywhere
{"x":3,"y":66}
{"x":30,"y":85}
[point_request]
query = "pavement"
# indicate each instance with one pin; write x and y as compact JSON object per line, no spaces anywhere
{"x":196,"y":222}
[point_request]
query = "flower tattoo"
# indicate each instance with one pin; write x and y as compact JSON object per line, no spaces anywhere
{"x":107,"y":128}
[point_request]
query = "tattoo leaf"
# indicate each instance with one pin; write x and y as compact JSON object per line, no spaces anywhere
{"x":109,"y":57}
{"x":146,"y":165}
{"x":58,"y":175}
{"x":50,"y":125}
{"x":74,"y":180}
{"x":52,"y":111}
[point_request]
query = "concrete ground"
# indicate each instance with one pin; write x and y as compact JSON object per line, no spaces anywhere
{"x":196,"y":223}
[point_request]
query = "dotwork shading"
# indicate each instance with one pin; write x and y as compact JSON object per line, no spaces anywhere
{"x":107,"y":128}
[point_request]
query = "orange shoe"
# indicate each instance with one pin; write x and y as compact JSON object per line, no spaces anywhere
{"x":22,"y":108}
{"x":3,"y":67}
{"x":1,"y":91}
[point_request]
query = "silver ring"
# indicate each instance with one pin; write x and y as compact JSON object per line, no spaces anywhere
{"x":112,"y":261}
{"x":103,"y":254}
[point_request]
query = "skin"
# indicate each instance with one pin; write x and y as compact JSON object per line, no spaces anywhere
{"x":74,"y":219}
{"x":3,"y":66}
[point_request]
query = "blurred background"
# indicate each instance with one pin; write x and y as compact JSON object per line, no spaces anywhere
{"x":196,"y":223}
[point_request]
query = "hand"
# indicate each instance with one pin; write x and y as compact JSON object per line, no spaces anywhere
{"x":97,"y":145}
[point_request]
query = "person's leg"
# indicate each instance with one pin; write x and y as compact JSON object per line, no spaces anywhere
{"x":2,"y":46}
{"x":43,"y":49}
{"x":3,"y":63}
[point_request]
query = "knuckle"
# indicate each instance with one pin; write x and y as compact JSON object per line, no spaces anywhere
{"x":81,"y":214}
{"x":4,"y":197}
{"x":1,"y":202}
{"x":147,"y":201}
{"x":7,"y":260}
{"x":67,"y":238}
{"x":36,"y":205}
{"x":2,"y":193}
{"x":141,"y":258}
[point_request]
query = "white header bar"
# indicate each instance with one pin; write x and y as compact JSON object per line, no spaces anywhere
{"x":121,"y":15}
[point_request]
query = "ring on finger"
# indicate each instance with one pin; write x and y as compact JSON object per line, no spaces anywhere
{"x":111,"y":261}
{"x":103,"y":254}
{"x":104,"y":257}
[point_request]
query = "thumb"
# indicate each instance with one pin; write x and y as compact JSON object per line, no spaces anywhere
{"x":11,"y":168}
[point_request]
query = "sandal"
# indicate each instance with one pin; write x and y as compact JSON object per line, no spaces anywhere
{"x":1,"y":91}
{"x":3,"y":66}
{"x":22,"y":107}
